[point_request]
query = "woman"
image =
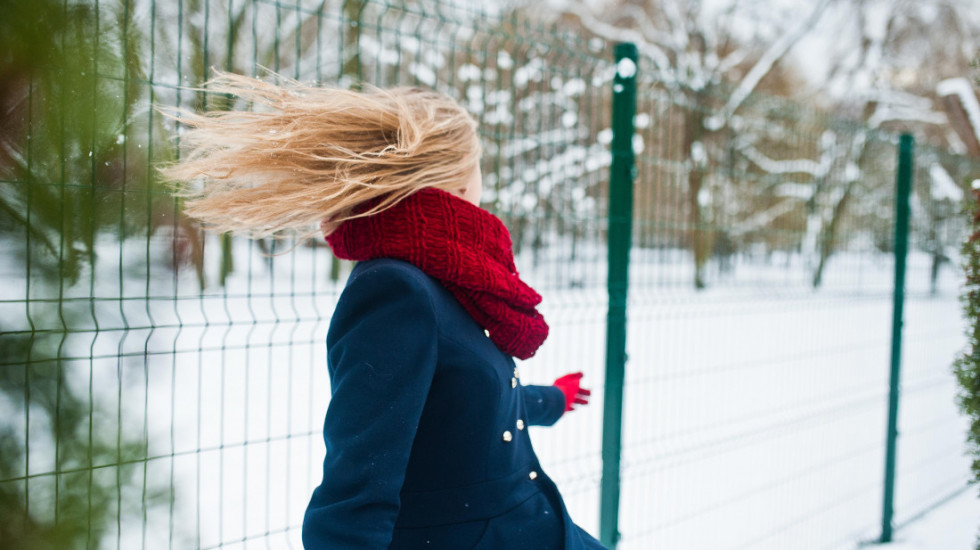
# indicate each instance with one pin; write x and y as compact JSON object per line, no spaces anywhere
{"x":426,"y":429}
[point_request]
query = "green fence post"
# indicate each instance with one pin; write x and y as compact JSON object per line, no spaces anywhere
{"x":621,"y":176}
{"x":905,"y":150}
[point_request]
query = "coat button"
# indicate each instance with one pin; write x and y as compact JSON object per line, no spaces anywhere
{"x":487,"y":332}
{"x":520,"y":424}
{"x":533,"y":475}
{"x":513,"y":382}
{"x":508,"y":436}
{"x":516,"y":373}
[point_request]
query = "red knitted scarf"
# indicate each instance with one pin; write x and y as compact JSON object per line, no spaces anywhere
{"x":463,"y":246}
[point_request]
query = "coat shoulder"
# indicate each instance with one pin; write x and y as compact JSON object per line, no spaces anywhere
{"x":387,"y":270}
{"x":387,"y":273}
{"x":384,"y":292}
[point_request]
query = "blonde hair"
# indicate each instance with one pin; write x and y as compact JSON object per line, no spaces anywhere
{"x":316,"y":154}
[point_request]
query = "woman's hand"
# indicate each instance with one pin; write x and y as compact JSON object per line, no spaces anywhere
{"x":570,"y":385}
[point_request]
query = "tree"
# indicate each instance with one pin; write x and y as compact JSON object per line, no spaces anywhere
{"x":714,"y":64}
{"x":967,"y":364}
{"x":68,"y":179}
{"x":887,"y":64}
{"x":883,"y":61}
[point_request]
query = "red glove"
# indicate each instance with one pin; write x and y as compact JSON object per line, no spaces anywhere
{"x":574,"y":393}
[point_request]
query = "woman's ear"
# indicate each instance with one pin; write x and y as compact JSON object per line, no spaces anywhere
{"x":474,"y":187}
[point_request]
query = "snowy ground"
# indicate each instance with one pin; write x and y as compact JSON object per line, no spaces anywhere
{"x":951,"y":526}
{"x":754,"y":413}
{"x":757,"y":420}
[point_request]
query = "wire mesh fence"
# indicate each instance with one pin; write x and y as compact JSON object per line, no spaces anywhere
{"x":164,"y":388}
{"x":757,"y":405}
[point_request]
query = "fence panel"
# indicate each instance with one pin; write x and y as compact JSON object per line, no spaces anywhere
{"x":756,"y":407}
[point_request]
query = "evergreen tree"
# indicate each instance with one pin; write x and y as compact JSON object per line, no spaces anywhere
{"x":68,"y":465}
{"x":967,"y":365}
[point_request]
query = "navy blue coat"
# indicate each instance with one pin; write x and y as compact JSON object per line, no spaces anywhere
{"x":426,"y":430}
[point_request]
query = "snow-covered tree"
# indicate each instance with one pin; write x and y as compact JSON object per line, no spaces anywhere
{"x":889,"y":70}
{"x":711,"y":63}
{"x":873,"y":61}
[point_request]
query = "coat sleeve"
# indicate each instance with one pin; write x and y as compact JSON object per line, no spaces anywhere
{"x":381,"y":351}
{"x":543,"y":405}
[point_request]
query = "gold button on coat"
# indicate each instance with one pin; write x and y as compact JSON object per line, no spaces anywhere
{"x":487,"y":332}
{"x":533,"y":475}
{"x":508,"y":436}
{"x":516,"y":373}
{"x":520,"y":424}
{"x":513,"y":382}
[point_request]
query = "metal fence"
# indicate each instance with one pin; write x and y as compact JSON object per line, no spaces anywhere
{"x":164,"y":388}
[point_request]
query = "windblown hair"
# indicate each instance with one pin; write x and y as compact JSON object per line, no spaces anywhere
{"x":316,"y":154}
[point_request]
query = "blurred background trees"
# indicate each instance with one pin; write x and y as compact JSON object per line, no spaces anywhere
{"x":878,"y":62}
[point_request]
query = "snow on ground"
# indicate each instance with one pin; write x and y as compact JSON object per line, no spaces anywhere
{"x":951,"y":526}
{"x":754,"y":410}
{"x":755,"y":420}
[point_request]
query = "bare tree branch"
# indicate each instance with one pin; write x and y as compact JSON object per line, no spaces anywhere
{"x":619,"y":34}
{"x":765,"y":63}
